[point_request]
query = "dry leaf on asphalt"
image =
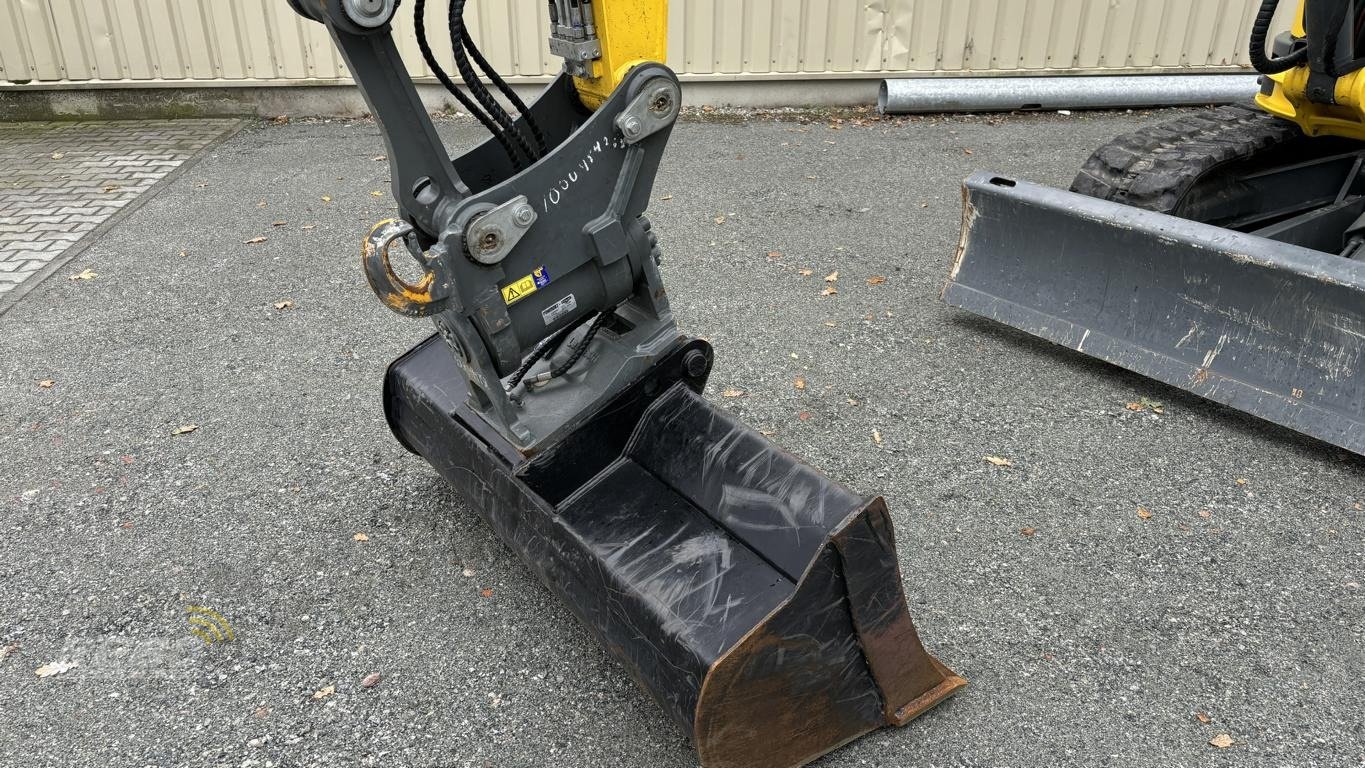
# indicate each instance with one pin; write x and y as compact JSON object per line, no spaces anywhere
{"x":47,"y":384}
{"x":361,"y":537}
{"x":998,"y":461}
{"x":111,"y":188}
{"x":279,"y":223}
{"x":468,"y":573}
{"x":371,"y":680}
{"x":1222,"y":741}
{"x":83,"y":275}
{"x":376,"y":193}
{"x":58,"y":155}
{"x":733,"y":392}
{"x":666,"y":197}
{"x":829,"y":291}
{"x":805,"y":272}
{"x":261,"y":713}
{"x":1241,"y":481}
{"x":1203,"y":718}
{"x":720,"y":219}
{"x":774,"y":255}
{"x":1144,"y":513}
{"x":800,"y":382}
{"x":486,"y":592}
{"x":1204,"y":513}
{"x":286,"y":304}
{"x":308,"y":226}
{"x":804,"y":415}
{"x":326,"y":198}
{"x":1028,"y":531}
{"x":876,"y":280}
{"x":380,"y":158}
{"x":831,"y":324}
{"x":7,"y":650}
{"x":255,"y":241}
{"x":55,"y":668}
{"x":832,"y":277}
{"x":852,"y":401}
{"x":325,"y":692}
{"x":185,"y":430}
{"x":877,"y":436}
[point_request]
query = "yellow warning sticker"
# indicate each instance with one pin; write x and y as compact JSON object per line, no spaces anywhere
{"x":526,"y":286}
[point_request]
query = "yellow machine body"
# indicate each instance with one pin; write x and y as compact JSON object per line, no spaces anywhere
{"x":1289,"y":99}
{"x":632,"y":32}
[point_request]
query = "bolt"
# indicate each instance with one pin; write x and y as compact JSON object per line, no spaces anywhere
{"x":632,"y":127}
{"x":524,"y":215}
{"x":694,"y":364}
{"x":490,"y":241}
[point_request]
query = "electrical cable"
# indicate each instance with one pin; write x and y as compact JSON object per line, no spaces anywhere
{"x":507,"y":91}
{"x":1260,"y":32}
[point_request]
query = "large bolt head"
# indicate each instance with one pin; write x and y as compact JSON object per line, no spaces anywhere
{"x":524,"y":215}
{"x":370,"y":14}
{"x":632,"y":127}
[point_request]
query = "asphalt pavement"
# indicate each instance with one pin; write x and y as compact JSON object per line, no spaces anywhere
{"x":1091,"y":634}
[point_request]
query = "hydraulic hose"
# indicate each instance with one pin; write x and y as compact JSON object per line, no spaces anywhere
{"x":1260,"y":33}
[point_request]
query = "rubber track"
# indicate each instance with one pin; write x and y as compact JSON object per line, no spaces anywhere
{"x":1154,"y":167}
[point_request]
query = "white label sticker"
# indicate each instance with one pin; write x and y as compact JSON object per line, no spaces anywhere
{"x":559,"y":309}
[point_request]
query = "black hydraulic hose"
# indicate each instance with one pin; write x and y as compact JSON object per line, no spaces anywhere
{"x":583,"y":347}
{"x":1260,"y":33}
{"x":501,"y":85}
{"x":471,"y":80}
{"x":419,"y":15}
{"x":545,"y":348}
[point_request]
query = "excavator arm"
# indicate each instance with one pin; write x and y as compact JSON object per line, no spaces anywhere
{"x":759,"y":602}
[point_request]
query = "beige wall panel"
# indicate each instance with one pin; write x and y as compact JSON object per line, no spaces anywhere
{"x":70,"y":42}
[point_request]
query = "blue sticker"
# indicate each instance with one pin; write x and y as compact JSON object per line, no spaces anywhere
{"x":542,"y":276}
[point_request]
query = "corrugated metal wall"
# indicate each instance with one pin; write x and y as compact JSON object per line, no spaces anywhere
{"x":250,"y":42}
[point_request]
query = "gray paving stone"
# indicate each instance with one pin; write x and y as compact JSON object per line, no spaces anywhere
{"x":48,"y":204}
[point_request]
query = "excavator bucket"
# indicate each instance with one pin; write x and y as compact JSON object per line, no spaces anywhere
{"x":757,"y":601}
{"x":1264,"y":326}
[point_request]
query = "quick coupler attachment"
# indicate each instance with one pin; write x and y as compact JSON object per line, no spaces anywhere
{"x":757,"y":601}
{"x":1273,"y":329}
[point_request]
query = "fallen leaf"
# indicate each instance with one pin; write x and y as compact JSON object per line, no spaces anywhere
{"x":829,"y":291}
{"x":55,"y":668}
{"x":998,"y":461}
{"x":1144,"y":513}
{"x":800,"y":382}
{"x":805,"y":272}
{"x":877,"y":436}
{"x":110,"y":188}
{"x":261,"y":713}
{"x":262,"y":204}
{"x":380,"y":158}
{"x":486,"y":592}
{"x":876,"y":280}
{"x":324,"y":692}
{"x":468,"y":573}
{"x":1222,"y":741}
{"x":733,"y":392}
{"x":832,"y":277}
{"x":774,"y":255}
{"x":376,"y":193}
{"x":279,"y":223}
{"x":127,"y":459}
{"x":851,"y":401}
{"x":966,"y":151}
{"x":371,"y":680}
{"x":720,"y":219}
{"x":1203,"y":718}
{"x":1134,"y":406}
{"x":126,"y":524}
{"x":1204,"y":513}
{"x":1241,"y":481}
{"x":1028,"y":531}
{"x":1359,"y":507}
{"x":255,"y":241}
{"x":283,"y":305}
{"x":326,"y":198}
{"x":47,"y":384}
{"x":804,"y":415}
{"x":185,"y":430}
{"x":361,"y":537}
{"x":83,"y":275}
{"x":184,"y":253}
{"x":281,"y":120}
{"x":58,"y":155}
{"x":308,"y":226}
{"x":666,"y":197}
{"x":7,"y":650}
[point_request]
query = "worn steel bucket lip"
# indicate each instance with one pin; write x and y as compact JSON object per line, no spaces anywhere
{"x":1340,"y":428}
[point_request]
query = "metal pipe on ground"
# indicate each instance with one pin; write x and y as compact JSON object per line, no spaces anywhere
{"x":1013,"y":94}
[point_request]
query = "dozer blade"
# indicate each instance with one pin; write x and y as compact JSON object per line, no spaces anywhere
{"x":758,"y":602}
{"x":1272,"y":329}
